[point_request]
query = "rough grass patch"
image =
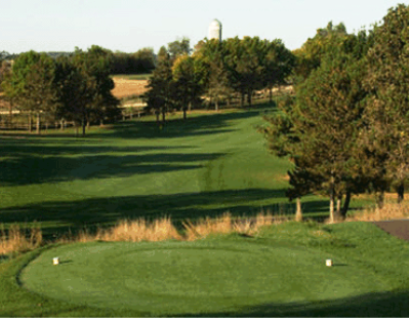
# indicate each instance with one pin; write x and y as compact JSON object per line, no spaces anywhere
{"x":135,"y":231}
{"x":16,"y":240}
{"x":387,"y":212}
{"x":206,"y":226}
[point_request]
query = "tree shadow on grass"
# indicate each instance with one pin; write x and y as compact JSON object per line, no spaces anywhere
{"x":58,"y":217}
{"x":47,"y":147}
{"x":194,"y":126}
{"x":205,"y":124}
{"x":28,"y":169}
{"x":392,"y":304}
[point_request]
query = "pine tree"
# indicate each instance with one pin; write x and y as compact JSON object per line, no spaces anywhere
{"x":388,"y":80}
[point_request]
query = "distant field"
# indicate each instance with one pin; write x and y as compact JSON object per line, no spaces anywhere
{"x":133,"y":76}
{"x":125,"y":87}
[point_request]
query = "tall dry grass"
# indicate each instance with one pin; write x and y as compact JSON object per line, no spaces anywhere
{"x":389,"y":211}
{"x":15,"y":240}
{"x":226,"y":224}
{"x":135,"y":231}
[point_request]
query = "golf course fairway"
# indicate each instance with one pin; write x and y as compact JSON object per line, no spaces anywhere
{"x":206,"y":276}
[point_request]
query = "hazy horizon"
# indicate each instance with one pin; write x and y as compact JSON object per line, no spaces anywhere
{"x":124,"y":25}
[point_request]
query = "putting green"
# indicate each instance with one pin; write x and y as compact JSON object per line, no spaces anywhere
{"x":190,"y":277}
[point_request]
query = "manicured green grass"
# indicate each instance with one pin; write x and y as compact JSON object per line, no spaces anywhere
{"x":279,"y":272}
{"x":205,"y":166}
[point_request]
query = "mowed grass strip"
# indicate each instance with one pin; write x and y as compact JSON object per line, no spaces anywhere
{"x":279,"y":272}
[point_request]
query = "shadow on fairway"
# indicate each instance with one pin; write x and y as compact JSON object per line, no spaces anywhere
{"x":29,"y":169}
{"x":194,"y":126}
{"x":75,"y":215}
{"x":393,"y":304}
{"x":175,"y":127}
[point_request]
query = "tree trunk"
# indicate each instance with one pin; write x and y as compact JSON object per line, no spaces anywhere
{"x":331,"y":207}
{"x":338,"y":215}
{"x":401,"y":192}
{"x":298,"y":213}
{"x":216,"y":105}
{"x":38,"y":125}
{"x":346,"y":204}
{"x":184,"y":113}
{"x":30,"y":122}
{"x":190,"y":107}
{"x":11,"y":112}
{"x":157,"y":117}
{"x":242,"y":100}
{"x":163,"y":116}
{"x":270,"y":89}
{"x":88,"y":125}
{"x":84,"y":125}
{"x":62,"y":125}
{"x":249,"y":96}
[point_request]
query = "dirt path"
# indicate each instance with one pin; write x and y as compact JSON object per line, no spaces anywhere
{"x":398,"y":228}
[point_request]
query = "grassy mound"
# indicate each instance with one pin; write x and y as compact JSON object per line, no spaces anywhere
{"x":280,"y":272}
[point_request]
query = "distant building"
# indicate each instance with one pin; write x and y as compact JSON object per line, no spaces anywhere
{"x":215,"y":30}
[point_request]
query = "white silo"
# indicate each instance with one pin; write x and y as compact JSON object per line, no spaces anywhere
{"x":215,"y":30}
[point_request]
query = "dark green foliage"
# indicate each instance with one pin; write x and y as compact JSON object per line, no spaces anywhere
{"x":178,"y":48}
{"x":31,"y":84}
{"x":140,"y":62}
{"x":187,"y":87}
{"x":159,"y":96}
{"x":77,"y":88}
{"x":279,"y":64}
{"x":387,"y":113}
{"x":212,"y":72}
{"x":244,"y":61}
{"x":319,"y":131}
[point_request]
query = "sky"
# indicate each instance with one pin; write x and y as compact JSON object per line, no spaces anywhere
{"x":129,"y":25}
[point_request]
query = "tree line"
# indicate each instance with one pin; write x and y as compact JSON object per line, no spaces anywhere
{"x":346,"y":130}
{"x":217,"y":71}
{"x":75,"y":88}
{"x":142,"y":61}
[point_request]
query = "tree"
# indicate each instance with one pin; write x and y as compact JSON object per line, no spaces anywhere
{"x":186,"y":82}
{"x":388,"y":80}
{"x":211,"y":71}
{"x":244,"y":61}
{"x":159,"y":95}
{"x":31,"y":84}
{"x":320,"y":131}
{"x":279,"y":64}
{"x":178,"y":48}
{"x":73,"y":92}
{"x":309,"y":56}
{"x":84,"y":88}
{"x":96,"y":85}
